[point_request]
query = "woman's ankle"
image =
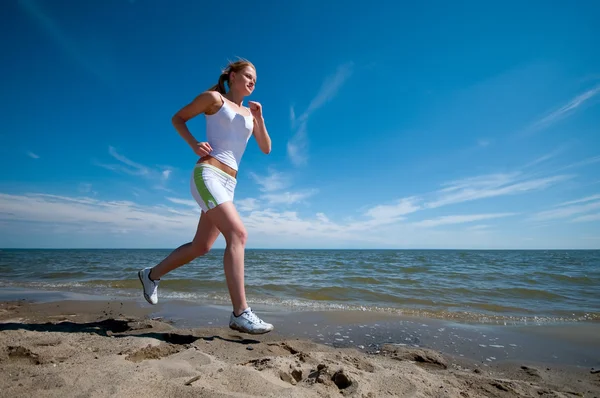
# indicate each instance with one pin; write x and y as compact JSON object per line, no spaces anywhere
{"x":240,"y":310}
{"x":151,"y":277}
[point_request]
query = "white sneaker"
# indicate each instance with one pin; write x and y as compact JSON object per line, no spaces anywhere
{"x":150,"y":286}
{"x":248,"y":322}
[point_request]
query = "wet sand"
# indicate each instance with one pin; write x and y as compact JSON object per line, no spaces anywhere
{"x":122,"y":348}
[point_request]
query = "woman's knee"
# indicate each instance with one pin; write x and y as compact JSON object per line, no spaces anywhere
{"x":227,"y":220}
{"x":237,"y":235}
{"x":200,"y":249}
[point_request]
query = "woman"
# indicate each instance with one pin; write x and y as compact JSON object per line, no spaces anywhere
{"x":228,"y":129}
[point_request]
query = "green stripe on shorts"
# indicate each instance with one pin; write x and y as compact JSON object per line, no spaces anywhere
{"x":205,"y":194}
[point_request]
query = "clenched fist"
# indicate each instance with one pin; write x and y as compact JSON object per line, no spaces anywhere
{"x":255,"y":109}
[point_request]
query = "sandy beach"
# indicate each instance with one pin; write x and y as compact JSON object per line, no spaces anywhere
{"x":116,"y":348}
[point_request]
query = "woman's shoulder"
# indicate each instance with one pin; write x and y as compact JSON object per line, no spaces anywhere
{"x":211,"y":95}
{"x":211,"y":101}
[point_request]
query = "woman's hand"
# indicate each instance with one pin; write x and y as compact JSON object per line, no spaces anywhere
{"x":256,"y":109}
{"x":202,"y":148}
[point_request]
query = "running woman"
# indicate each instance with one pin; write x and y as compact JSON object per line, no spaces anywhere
{"x":229,"y":126}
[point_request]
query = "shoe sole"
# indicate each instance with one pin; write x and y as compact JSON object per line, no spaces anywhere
{"x":249,"y":331}
{"x":143,"y":288}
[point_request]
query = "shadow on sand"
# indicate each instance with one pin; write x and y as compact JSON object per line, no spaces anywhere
{"x":118,"y":328}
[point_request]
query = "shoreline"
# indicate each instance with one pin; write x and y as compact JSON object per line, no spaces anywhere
{"x":129,"y":290}
{"x":571,"y":344}
{"x":108,"y":347}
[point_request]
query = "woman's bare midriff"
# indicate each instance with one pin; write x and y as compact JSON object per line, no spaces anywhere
{"x":218,"y":164}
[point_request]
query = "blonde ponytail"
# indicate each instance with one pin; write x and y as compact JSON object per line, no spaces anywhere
{"x":220,"y":86}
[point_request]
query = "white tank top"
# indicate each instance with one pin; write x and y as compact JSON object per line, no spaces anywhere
{"x":228,"y":133}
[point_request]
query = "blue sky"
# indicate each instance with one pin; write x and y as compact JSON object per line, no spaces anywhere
{"x":394,"y":125}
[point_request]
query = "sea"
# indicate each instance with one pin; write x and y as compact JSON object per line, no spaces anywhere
{"x":471,"y":286}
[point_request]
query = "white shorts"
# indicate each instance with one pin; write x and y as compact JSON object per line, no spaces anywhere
{"x":211,"y":186}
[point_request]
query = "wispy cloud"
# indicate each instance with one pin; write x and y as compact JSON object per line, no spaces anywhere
{"x":541,"y":159}
{"x":32,"y":155}
{"x":490,"y":186}
{"x":273,"y":181}
{"x":86,"y":188}
{"x":185,"y":202}
{"x":459,"y":219}
{"x":93,"y":213}
{"x":478,"y":182}
{"x":323,"y":218}
{"x":463,"y":190}
{"x":479,"y":227}
{"x":587,"y":218}
{"x":581,"y":163}
{"x":544,"y":158}
{"x":247,"y":204}
{"x":159,"y":176}
{"x":328,"y":89}
{"x":274,"y":186}
{"x":483,"y":142}
{"x":319,"y":230}
{"x":292,"y":117}
{"x":288,"y":198}
{"x":274,"y":199}
{"x":566,"y":211}
{"x":84,"y":214}
{"x":402,"y":207}
{"x":132,"y":168}
{"x":566,"y":109}
{"x":582,"y":200}
{"x":297,"y":146}
{"x":311,"y":231}
{"x":41,"y":213}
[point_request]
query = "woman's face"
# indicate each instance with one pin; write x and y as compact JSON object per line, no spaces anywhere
{"x":244,"y":80}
